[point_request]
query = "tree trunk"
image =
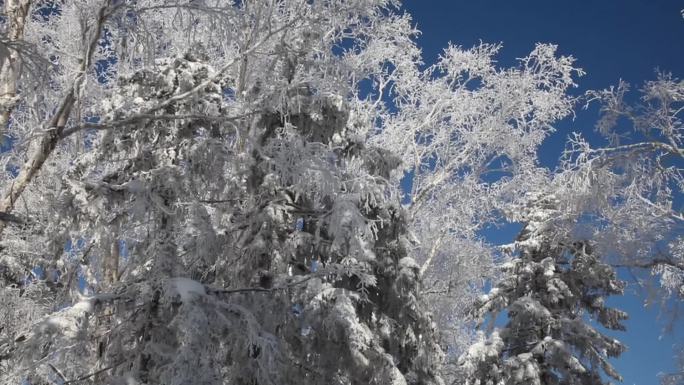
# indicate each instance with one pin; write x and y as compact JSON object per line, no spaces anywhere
{"x":10,"y":69}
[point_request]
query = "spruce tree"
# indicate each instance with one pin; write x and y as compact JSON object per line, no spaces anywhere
{"x":554,"y":297}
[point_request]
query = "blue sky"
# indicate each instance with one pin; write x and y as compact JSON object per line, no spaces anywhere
{"x":612,"y":40}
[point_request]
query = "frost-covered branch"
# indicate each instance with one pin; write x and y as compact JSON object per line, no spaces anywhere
{"x":46,"y":144}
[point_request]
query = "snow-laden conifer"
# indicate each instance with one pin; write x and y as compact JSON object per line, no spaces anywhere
{"x":553,"y":295}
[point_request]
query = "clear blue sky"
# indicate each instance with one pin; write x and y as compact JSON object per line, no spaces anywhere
{"x":612,"y":40}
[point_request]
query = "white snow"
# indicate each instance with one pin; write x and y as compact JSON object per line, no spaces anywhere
{"x":186,"y":288}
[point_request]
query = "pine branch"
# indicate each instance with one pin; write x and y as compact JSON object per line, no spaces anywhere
{"x":651,"y":264}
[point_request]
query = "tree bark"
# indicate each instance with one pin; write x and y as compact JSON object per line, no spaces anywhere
{"x":10,"y":70}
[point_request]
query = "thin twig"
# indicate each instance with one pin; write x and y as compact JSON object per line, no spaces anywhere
{"x":95,"y":373}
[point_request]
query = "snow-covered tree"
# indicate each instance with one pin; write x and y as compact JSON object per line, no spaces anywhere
{"x":210,"y":210}
{"x":550,"y":292}
{"x":644,"y":165}
{"x":645,"y":177}
{"x":468,"y":133}
{"x":618,"y":201}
